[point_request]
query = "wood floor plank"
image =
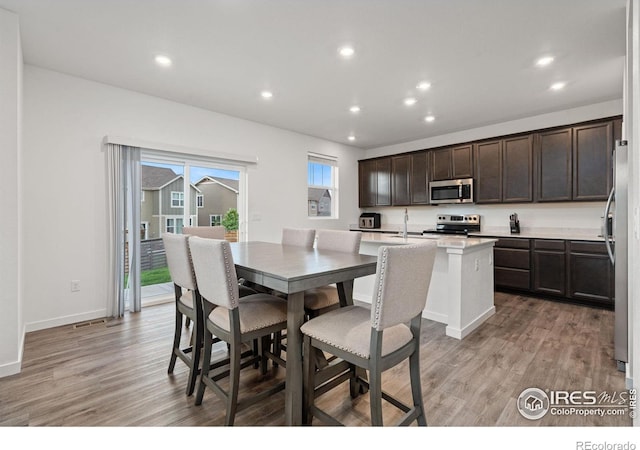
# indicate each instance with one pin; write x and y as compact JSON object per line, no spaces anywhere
{"x":115,"y":373}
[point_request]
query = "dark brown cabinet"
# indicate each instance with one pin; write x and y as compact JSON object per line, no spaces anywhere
{"x":592,"y":171}
{"x":549,"y":267}
{"x":488,"y":186}
{"x":591,"y":275}
{"x":553,"y":155}
{"x":452,"y":163}
{"x":517,"y":169}
{"x":512,"y":264}
{"x":504,"y":170}
{"x":401,"y":180}
{"x":419,"y":179}
{"x":374,"y":182}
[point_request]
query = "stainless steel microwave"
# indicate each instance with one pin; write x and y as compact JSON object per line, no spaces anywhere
{"x":451,"y":191}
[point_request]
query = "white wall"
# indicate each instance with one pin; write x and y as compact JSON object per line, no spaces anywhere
{"x":11,"y":329}
{"x":561,"y":215}
{"x":64,"y":181}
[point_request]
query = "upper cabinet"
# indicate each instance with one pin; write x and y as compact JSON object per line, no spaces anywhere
{"x":504,"y":170}
{"x":592,"y":161}
{"x":572,"y":163}
{"x":419,"y":178}
{"x":401,"y":180}
{"x":575,"y":163}
{"x":452,"y":163}
{"x":374,"y":182}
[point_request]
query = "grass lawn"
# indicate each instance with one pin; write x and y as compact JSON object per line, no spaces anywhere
{"x":153,"y":276}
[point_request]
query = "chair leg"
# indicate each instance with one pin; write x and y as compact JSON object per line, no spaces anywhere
{"x":375,"y":397}
{"x":177,"y":335}
{"x":309,"y":383}
{"x":206,"y":363}
{"x":265,"y":343}
{"x":416,"y":388}
{"x":196,"y":352}
{"x":277,"y":346}
{"x":234,"y":384}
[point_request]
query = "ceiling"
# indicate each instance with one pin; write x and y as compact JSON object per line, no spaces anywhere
{"x":478,"y":55}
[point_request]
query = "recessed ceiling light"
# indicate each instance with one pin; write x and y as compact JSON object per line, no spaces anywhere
{"x":346,"y":51}
{"x":351,"y":138}
{"x":429,"y":119}
{"x":355,"y":109}
{"x":423,"y":85}
{"x":266,"y":94}
{"x":163,"y":60}
{"x":410,"y":101}
{"x":544,"y":61}
{"x":558,"y":86}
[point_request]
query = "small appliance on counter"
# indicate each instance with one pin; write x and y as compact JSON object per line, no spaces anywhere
{"x":369,"y":220}
{"x":456,"y":224}
{"x":514,"y":224}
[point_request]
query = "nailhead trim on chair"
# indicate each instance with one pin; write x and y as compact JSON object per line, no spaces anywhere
{"x":231,"y":280}
{"x":383,"y":266}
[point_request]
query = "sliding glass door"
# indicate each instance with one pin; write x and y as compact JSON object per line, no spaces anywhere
{"x":178,"y":192}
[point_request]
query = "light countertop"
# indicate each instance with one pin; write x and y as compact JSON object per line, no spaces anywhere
{"x":443,"y":241}
{"x":569,"y":234}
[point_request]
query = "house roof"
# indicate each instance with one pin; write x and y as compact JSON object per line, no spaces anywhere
{"x":228,"y":183}
{"x":315,"y":194}
{"x":156,"y":177}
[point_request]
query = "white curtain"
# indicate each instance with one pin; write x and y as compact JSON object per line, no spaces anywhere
{"x":123,"y":164}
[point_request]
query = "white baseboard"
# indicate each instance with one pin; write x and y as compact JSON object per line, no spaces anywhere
{"x":475,"y":323}
{"x":65,"y":320}
{"x":436,"y":317}
{"x":15,"y":367}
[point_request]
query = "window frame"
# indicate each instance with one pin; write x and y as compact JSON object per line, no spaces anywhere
{"x":211,"y":216}
{"x":332,"y":162}
{"x":180,"y":199}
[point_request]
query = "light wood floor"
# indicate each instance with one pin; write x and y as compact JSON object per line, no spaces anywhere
{"x":115,"y":374}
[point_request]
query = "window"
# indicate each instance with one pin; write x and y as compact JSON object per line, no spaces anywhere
{"x":142,"y":196}
{"x":177,"y":199}
{"x":174,"y":224}
{"x":200,"y":201}
{"x":215,"y":220}
{"x":322,"y":186}
{"x":144,"y":230}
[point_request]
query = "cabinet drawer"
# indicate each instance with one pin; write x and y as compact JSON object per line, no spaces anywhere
{"x":511,"y":258}
{"x":587,"y":247}
{"x":547,"y":244}
{"x":513,"y":243}
{"x":512,"y":278}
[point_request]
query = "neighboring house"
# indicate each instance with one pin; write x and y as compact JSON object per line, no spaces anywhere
{"x":319,"y":202}
{"x":162,"y":202}
{"x":216,"y":197}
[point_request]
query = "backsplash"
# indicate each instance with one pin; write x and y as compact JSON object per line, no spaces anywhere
{"x":532,"y":215}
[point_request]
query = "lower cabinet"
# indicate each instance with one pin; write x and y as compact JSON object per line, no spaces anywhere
{"x":549,"y":267}
{"x":577,"y":271}
{"x":591,"y":276}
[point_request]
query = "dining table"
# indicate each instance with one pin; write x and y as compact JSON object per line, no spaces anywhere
{"x":292,"y":270}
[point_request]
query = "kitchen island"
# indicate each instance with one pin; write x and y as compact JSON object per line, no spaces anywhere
{"x":461,"y":290}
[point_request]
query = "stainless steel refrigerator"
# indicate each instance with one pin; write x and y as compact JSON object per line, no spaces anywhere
{"x":614,"y":228}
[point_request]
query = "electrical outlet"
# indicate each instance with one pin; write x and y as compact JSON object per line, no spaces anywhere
{"x":75,"y":285}
{"x":477,"y":264}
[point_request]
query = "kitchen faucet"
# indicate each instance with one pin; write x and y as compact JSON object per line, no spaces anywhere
{"x":406,"y":219}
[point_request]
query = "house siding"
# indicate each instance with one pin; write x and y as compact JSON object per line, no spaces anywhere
{"x":218,"y":199}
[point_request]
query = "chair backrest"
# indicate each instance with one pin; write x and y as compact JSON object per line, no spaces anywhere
{"x":302,"y":237}
{"x":215,"y":271}
{"x":216,"y":232}
{"x":402,"y":283}
{"x":176,"y":247}
{"x":339,"y":240}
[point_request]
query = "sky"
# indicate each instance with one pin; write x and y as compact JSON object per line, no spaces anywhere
{"x":198,"y":172}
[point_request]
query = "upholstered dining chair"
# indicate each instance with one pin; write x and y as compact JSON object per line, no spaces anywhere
{"x":236,"y":322}
{"x":188,"y":304}
{"x":320,"y":300}
{"x":375,"y":339}
{"x":301,"y":237}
